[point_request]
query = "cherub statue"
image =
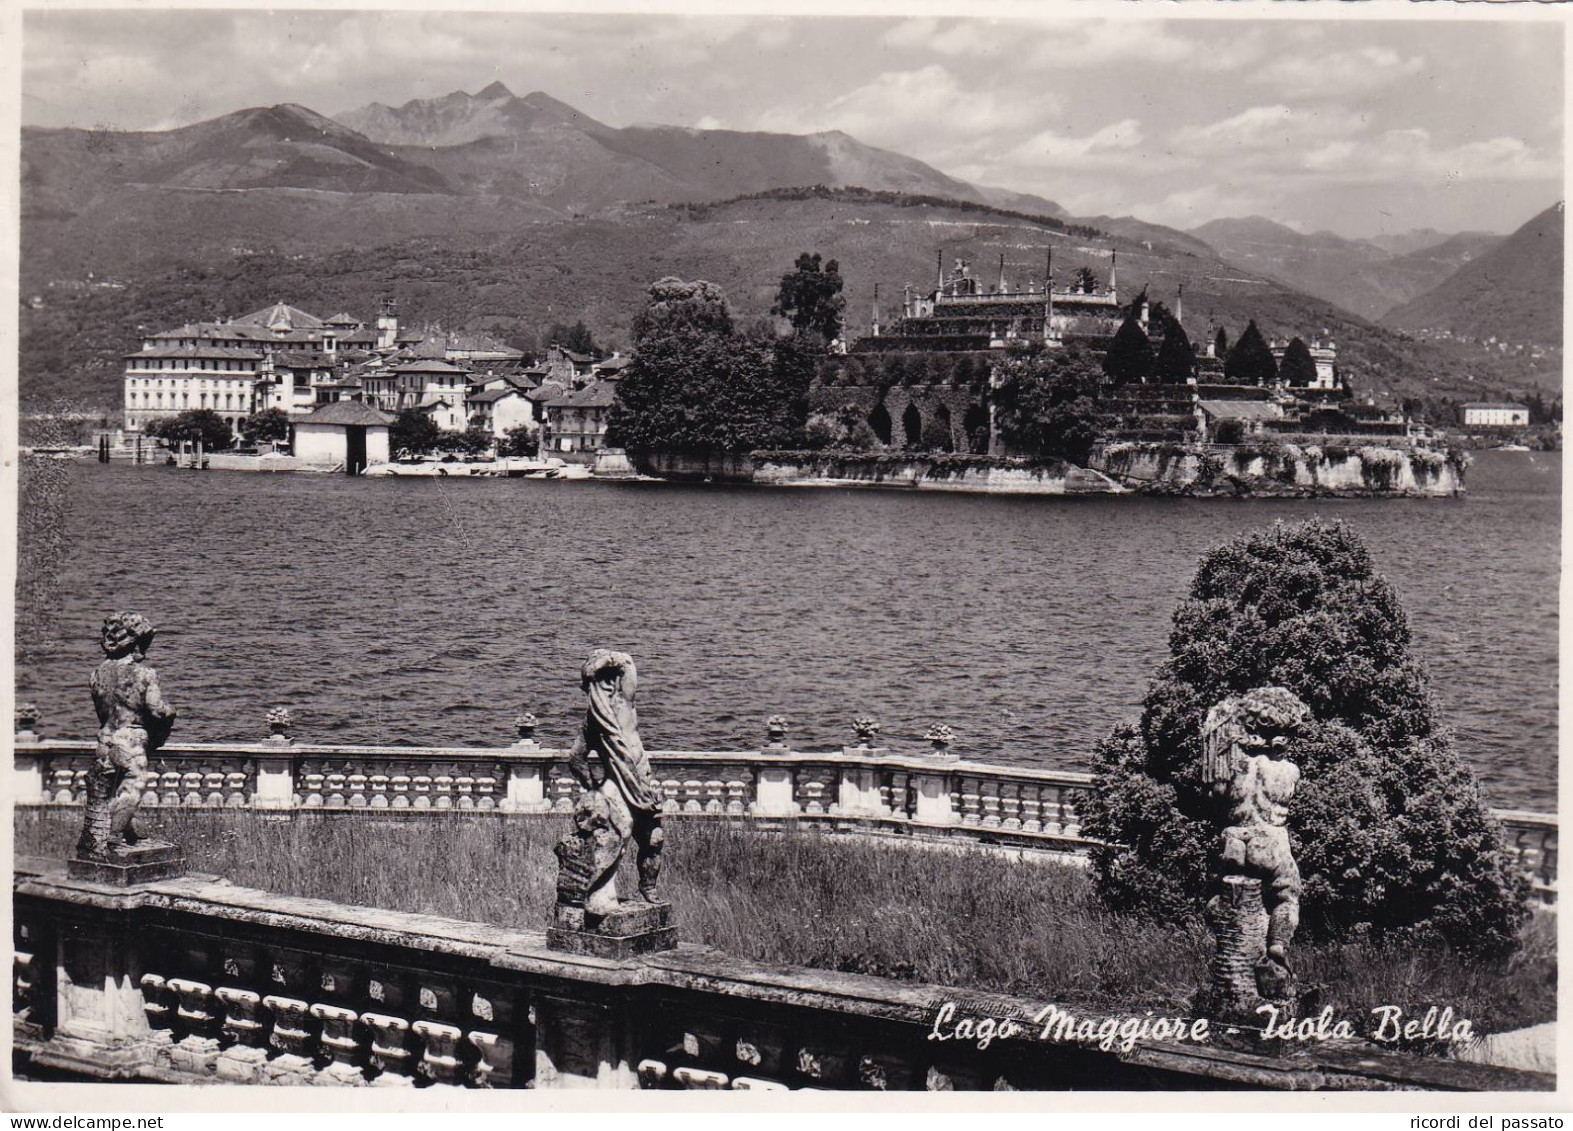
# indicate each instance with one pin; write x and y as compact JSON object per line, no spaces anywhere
{"x":608,"y":759}
{"x":1245,"y":743}
{"x":133,"y":722}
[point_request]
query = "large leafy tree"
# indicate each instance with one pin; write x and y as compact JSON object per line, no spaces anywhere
{"x":576,"y":337}
{"x":196,"y":424}
{"x":270,"y":426}
{"x":810,"y":297}
{"x":1298,"y":367}
{"x":414,"y":432}
{"x":1391,"y":834}
{"x":1251,"y":361}
{"x":1045,"y":404}
{"x":698,"y":384}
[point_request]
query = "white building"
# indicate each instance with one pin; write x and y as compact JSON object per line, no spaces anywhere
{"x":499,"y":404}
{"x":1491,"y":414}
{"x":166,"y":380}
{"x":434,"y":387}
{"x":273,"y":355}
{"x":344,"y":432}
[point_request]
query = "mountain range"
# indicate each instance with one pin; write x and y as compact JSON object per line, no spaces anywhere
{"x":506,"y":213}
{"x":1366,"y":277}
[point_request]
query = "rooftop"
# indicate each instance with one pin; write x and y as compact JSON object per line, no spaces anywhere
{"x":348,"y":413}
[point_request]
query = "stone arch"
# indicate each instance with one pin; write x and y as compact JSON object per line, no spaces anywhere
{"x":976,"y":425}
{"x":912,"y":425}
{"x":879,"y":421}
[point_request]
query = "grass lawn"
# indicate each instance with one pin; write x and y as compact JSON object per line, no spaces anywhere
{"x":965,"y":918}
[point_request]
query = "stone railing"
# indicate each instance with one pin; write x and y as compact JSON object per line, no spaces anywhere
{"x":190,"y":980}
{"x":861,"y":786}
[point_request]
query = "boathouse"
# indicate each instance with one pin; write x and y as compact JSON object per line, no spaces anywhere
{"x":350,"y":433}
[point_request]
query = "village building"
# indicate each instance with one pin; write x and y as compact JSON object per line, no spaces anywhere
{"x":501,"y":403}
{"x":270,"y":358}
{"x":347,"y":434}
{"x":575,"y":421}
{"x":437,"y":388}
{"x":1495,"y":414}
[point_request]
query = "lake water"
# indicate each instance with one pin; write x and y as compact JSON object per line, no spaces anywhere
{"x":427,"y":612}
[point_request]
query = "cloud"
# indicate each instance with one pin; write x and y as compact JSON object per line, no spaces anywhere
{"x":923,"y":112}
{"x":1340,"y":74}
{"x":1112,"y":146}
{"x":1080,"y":44}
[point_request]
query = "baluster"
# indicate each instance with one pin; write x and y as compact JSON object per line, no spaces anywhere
{"x":486,"y":789}
{"x":388,"y":1050}
{"x":213,"y":788}
{"x":1031,"y":808}
{"x":493,"y":1062}
{"x":377,"y":791}
{"x":813,"y":794}
{"x":197,"y":1051}
{"x":337,"y":780}
{"x":420,"y":788}
{"x":1052,"y":804}
{"x":292,"y":1036}
{"x":464,"y":791}
{"x":243,"y":1061}
{"x":237,"y":796}
{"x":693,"y":793}
{"x":401,"y":784}
{"x":737,"y":792}
{"x":971,"y":805}
{"x":900,"y":803}
{"x":356,"y":784}
{"x":715,"y":794}
{"x":1010,"y":805}
{"x":24,"y":975}
{"x":191,"y":788}
{"x":64,"y":785}
{"x":338,"y":1038}
{"x":442,"y":791}
{"x":1070,"y":820}
{"x":673,"y":789}
{"x":440,"y":1061}
{"x":990,"y":794}
{"x":313,"y":782}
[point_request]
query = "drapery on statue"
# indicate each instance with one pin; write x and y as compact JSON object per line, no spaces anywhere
{"x":133,"y":722}
{"x":620,"y":802}
{"x":1245,"y":763}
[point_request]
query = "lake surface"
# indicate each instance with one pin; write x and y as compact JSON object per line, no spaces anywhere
{"x":427,"y":612}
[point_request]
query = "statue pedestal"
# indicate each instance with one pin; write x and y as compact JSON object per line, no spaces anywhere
{"x":629,"y":930}
{"x":141,"y":863}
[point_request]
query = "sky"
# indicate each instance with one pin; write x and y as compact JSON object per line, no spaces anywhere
{"x":1358,"y":126}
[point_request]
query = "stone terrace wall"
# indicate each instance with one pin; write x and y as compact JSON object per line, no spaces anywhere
{"x":195,"y":981}
{"x":1272,"y":469}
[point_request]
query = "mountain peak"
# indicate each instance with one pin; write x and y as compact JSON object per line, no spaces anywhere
{"x":494,"y":91}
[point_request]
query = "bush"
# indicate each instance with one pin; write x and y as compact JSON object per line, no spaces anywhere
{"x":1391,"y":834}
{"x":520,"y":442}
{"x":1229,"y":432}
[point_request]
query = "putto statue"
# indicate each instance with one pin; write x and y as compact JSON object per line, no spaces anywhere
{"x":1245,"y":742}
{"x":133,"y":722}
{"x":620,"y":802}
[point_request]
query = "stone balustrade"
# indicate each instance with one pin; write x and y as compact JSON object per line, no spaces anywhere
{"x":862,"y":786}
{"x":195,"y":981}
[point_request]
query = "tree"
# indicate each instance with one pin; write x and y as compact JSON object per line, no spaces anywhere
{"x":697,"y":384}
{"x":270,"y":426}
{"x":1176,"y":362}
{"x":198,"y":424}
{"x":810,"y":298}
{"x":473,"y":441}
{"x":1221,"y":344}
{"x":1250,"y":361}
{"x":1298,"y":368}
{"x":1045,"y":404}
{"x":1086,"y":282}
{"x":1391,"y":834}
{"x":521,"y":442}
{"x":576,"y":338}
{"x":413,"y":432}
{"x":1129,"y":360}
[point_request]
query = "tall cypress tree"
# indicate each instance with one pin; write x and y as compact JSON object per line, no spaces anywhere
{"x":1250,"y":361}
{"x":1176,"y":362}
{"x":1129,"y":360}
{"x":1221,"y":344}
{"x":1298,"y":368}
